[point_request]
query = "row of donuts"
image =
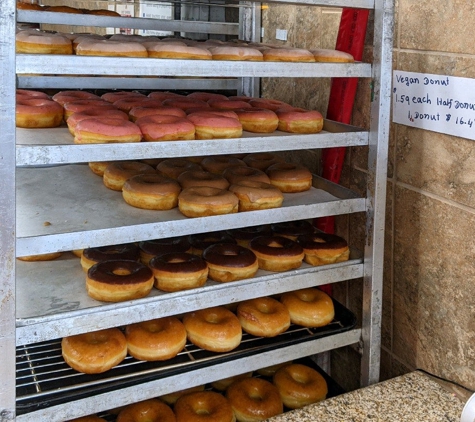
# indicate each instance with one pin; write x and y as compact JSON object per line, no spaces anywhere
{"x":64,"y":9}
{"x":160,"y":116}
{"x":33,"y":41}
{"x":215,"y":185}
{"x":216,"y":329}
{"x":244,"y":398}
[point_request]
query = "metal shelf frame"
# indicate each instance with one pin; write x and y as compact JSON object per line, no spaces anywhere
{"x":16,"y":70}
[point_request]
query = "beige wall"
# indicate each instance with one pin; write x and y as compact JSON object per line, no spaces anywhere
{"x":429,"y":276}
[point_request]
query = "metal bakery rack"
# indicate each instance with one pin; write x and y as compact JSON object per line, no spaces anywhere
{"x":50,"y":203}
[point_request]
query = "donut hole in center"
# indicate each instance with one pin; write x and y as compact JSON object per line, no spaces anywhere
{"x":299,"y":378}
{"x":318,"y":240}
{"x":307,"y":297}
{"x":264,"y":308}
{"x":274,"y":244}
{"x":121,"y":271}
{"x":255,"y":394}
{"x":153,"y":327}
{"x":230,"y":253}
{"x":176,"y":261}
{"x":213,"y":319}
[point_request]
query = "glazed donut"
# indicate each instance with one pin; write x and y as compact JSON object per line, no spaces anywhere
{"x":292,"y":229}
{"x":223,"y":384}
{"x":324,"y":248}
{"x":334,"y":56}
{"x":275,"y":253}
{"x":143,"y":111}
{"x":199,"y":242}
{"x":28,"y":94}
{"x":173,"y":167}
{"x":263,"y":317}
{"x":98,"y":167}
{"x":91,"y":256}
{"x":257,"y":120}
{"x":63,"y":97}
{"x":151,"y":192}
{"x":204,"y":201}
{"x":309,"y":307}
{"x":76,"y":117}
{"x":110,"y":48}
{"x":163,"y":50}
{"x":28,"y":6}
{"x":151,"y":410}
{"x":267,"y":103}
{"x":228,"y":262}
{"x":214,"y":329}
{"x":155,"y":340}
{"x":37,"y":42}
{"x":288,"y":55}
{"x":102,"y":12}
{"x":254,"y":399}
{"x":41,"y":257}
{"x":63,"y":9}
{"x":112,"y":97}
{"x":299,"y":385}
{"x":219,"y":163}
{"x":118,"y":280}
{"x":117,"y":173}
{"x":102,"y":130}
{"x":262,"y":160}
{"x":245,"y":234}
{"x":128,"y":103}
{"x":94,"y":352}
{"x":229,"y":104}
{"x":205,"y":96}
{"x":171,"y":398}
{"x":254,"y":195}
{"x":235,"y":53}
{"x":165,"y":128}
{"x":299,"y":120}
{"x":178,"y":271}
{"x":205,"y":406}
{"x":237,"y":174}
{"x":290,"y":178}
{"x":151,"y":248}
{"x":76,"y":106}
{"x":191,"y":178}
{"x":162,"y":96}
{"x":215,"y":127}
{"x":37,"y":113}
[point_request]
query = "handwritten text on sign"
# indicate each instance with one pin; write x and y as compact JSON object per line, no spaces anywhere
{"x":444,"y":104}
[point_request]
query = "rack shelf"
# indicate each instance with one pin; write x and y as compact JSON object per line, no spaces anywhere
{"x":56,"y":303}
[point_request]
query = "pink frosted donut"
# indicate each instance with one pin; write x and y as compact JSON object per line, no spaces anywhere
{"x":142,"y":111}
{"x":228,"y":104}
{"x":38,"y":113}
{"x":299,"y":120}
{"x":205,"y":96}
{"x":165,"y":128}
{"x":112,"y":97}
{"x":241,"y":98}
{"x":235,"y":53}
{"x":110,"y":48}
{"x":215,"y":127}
{"x":212,"y":112}
{"x":257,"y":120}
{"x":175,"y":51}
{"x":162,"y":96}
{"x":64,"y":97}
{"x":82,"y":105}
{"x":268,"y":103}
{"x":126,"y":104}
{"x":74,"y":118}
{"x":102,"y":130}
{"x":31,"y":41}
{"x":28,"y":94}
{"x":185,"y":103}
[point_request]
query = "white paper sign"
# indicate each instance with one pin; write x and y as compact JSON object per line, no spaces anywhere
{"x":439,"y":103}
{"x":155,"y":11}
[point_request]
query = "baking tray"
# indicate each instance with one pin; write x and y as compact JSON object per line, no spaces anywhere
{"x":45,"y":380}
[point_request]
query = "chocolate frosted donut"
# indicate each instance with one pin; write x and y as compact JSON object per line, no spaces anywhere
{"x":118,"y":280}
{"x":292,"y":229}
{"x":324,"y":248}
{"x":229,"y":262}
{"x":201,"y":241}
{"x":91,"y":256}
{"x":245,"y":234}
{"x":276,"y":253}
{"x":151,"y":248}
{"x":178,"y":271}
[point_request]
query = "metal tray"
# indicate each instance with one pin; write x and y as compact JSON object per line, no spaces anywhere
{"x":44,"y":379}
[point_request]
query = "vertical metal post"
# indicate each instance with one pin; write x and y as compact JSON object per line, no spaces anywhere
{"x":250,"y":30}
{"x":376,"y":190}
{"x":7,"y":210}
